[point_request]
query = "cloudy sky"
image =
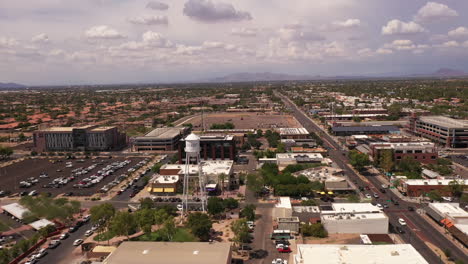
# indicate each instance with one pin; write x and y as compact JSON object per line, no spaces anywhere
{"x":123,"y":41}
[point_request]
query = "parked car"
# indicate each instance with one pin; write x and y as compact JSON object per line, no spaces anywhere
{"x":379,"y":206}
{"x":41,"y":253}
{"x":89,"y":233}
{"x":64,"y":236}
{"x":54,"y":244}
{"x":376,"y":196}
{"x":410,"y":208}
{"x":283,"y":248}
{"x":402,"y":221}
{"x":78,"y":242}
{"x":72,"y":229}
{"x":279,"y":261}
{"x":180,"y":207}
{"x":368,"y":196}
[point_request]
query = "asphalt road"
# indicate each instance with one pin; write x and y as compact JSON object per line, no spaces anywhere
{"x":417,"y":231}
{"x":63,"y":251}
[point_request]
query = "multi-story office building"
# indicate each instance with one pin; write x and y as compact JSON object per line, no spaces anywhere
{"x":86,"y":138}
{"x":424,"y":152}
{"x":160,"y":139}
{"x":442,"y":130}
{"x":213,"y":147}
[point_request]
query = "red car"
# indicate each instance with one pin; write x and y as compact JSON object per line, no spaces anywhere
{"x":119,"y":192}
{"x":283,"y":248}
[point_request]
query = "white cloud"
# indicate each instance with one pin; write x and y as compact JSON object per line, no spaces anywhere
{"x":384,"y":51}
{"x":103,"y":32}
{"x":155,"y":39}
{"x":149,"y":20}
{"x":209,"y":11}
{"x":433,"y":11}
{"x":449,"y":44}
{"x":41,"y":38}
{"x":244,"y":32}
{"x":396,"y":26}
{"x":157,"y":5}
{"x":8,"y":42}
{"x":349,"y":23}
{"x":458,"y":32}
{"x":294,"y":32}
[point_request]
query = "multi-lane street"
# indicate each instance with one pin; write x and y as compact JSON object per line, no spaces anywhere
{"x":418,"y":232}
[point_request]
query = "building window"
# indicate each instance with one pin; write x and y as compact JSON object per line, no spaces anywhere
{"x":398,"y":157}
{"x":433,"y":157}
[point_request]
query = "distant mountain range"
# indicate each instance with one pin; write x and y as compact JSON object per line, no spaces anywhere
{"x":268,"y":76}
{"x":11,"y":85}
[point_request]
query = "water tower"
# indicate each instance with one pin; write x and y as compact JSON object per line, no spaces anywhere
{"x":192,"y":155}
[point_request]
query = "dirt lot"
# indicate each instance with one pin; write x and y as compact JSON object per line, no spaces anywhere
{"x":246,"y":120}
{"x":10,"y":176}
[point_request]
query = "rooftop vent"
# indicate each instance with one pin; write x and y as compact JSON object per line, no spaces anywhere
{"x":196,"y":252}
{"x":395,"y":253}
{"x":146,"y":251}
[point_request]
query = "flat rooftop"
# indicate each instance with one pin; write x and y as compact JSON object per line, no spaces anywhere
{"x":450,"y":209}
{"x":444,"y":121}
{"x":165,"y":132}
{"x":65,"y":129}
{"x":433,"y":181}
{"x":208,"y":167}
{"x":298,"y":155}
{"x":293,"y":131}
{"x":354,"y":254}
{"x":352,"y":208}
{"x":170,"y":252}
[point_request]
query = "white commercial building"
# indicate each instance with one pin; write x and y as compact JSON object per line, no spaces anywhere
{"x":449,"y":214}
{"x":283,"y":208}
{"x":357,"y":254}
{"x":354,"y":218}
{"x":16,"y":210}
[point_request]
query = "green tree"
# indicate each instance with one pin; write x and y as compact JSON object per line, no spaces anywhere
{"x":5,"y":152}
{"x":156,"y":167}
{"x":435,"y":195}
{"x":145,"y":219}
{"x":315,"y":230}
{"x":123,"y":224}
{"x":230,"y":203}
{"x":160,"y":216}
{"x":456,"y":188}
{"x":200,"y":225}
{"x":146,"y":203}
{"x":102,"y":214}
{"x":255,"y":183}
{"x":241,"y":231}
{"x":386,"y":160}
{"x":410,"y":167}
{"x":221,"y":178}
{"x":353,"y":198}
{"x":169,"y":229}
{"x":358,"y":160}
{"x":215,"y":206}
{"x":248,"y":212}
{"x":310,"y":202}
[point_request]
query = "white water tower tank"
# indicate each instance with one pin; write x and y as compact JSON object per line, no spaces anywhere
{"x":192,"y":144}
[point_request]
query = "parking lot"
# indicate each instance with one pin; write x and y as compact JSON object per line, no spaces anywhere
{"x":61,"y":176}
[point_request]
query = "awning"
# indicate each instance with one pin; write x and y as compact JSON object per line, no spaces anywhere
{"x":168,"y":189}
{"x":330,"y":192}
{"x":149,"y":189}
{"x":323,"y":193}
{"x":158,"y":190}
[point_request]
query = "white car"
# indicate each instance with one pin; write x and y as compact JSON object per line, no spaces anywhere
{"x":448,"y":199}
{"x":63,"y":236}
{"x":379,"y":206}
{"x":402,"y":221}
{"x":89,"y":233}
{"x":31,"y":261}
{"x":180,"y":207}
{"x":78,"y":242}
{"x":279,"y":261}
{"x":41,"y":253}
{"x":368,"y":196}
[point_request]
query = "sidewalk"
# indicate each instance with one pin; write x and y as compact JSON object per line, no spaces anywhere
{"x":384,"y":180}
